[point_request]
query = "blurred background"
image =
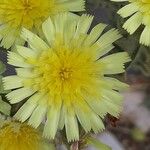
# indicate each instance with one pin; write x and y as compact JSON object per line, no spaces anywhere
{"x":132,"y":130}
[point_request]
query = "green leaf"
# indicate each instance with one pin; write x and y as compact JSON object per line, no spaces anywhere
{"x":1,"y":85}
{"x":98,"y":144}
{"x":48,"y":146}
{"x":2,"y":67}
{"x":4,"y":107}
{"x":2,"y":91}
{"x":138,"y":135}
{"x":142,"y":61}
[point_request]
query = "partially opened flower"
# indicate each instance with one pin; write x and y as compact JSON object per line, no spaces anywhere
{"x":66,"y":78}
{"x":15,"y":14}
{"x":20,"y":136}
{"x":138,"y":12}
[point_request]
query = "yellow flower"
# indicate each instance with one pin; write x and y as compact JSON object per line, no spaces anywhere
{"x":20,"y":136}
{"x":66,"y":78}
{"x":138,"y":12}
{"x":15,"y":14}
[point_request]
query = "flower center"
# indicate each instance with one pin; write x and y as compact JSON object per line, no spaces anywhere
{"x":27,"y":6}
{"x":65,"y":74}
{"x":144,"y":7}
{"x":62,"y":70}
{"x":15,"y":133}
{"x":145,"y":1}
{"x":25,"y":13}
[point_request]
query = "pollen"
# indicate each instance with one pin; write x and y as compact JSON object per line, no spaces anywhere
{"x":15,"y":135}
{"x":25,"y":12}
{"x":60,"y":70}
{"x":145,"y":1}
{"x":65,"y":74}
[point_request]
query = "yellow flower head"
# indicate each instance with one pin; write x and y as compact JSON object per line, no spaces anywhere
{"x":66,"y":77}
{"x":20,"y":136}
{"x":139,"y":13}
{"x":15,"y":14}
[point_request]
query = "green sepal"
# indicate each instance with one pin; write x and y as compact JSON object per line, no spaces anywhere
{"x":2,"y":67}
{"x":97,"y":144}
{"x":2,"y":91}
{"x":5,"y":108}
